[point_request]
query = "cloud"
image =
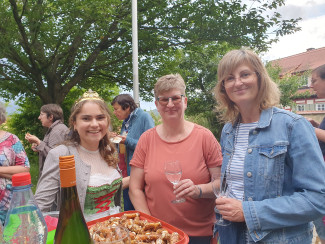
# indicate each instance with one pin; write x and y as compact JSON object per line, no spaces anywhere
{"x":305,"y":9}
{"x":312,"y":32}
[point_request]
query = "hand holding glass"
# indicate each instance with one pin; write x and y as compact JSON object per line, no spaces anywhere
{"x":220,"y":189}
{"x":173,"y":172}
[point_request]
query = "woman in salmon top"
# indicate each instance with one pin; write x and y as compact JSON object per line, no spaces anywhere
{"x":199,"y":154}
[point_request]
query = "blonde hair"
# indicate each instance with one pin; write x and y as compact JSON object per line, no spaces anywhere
{"x":106,"y":148}
{"x":268,"y":94}
{"x":169,"y":82}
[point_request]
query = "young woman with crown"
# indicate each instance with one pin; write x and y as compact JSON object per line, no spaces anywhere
{"x":96,"y":162}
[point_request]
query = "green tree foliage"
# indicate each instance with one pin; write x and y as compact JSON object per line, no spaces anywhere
{"x":287,"y":84}
{"x":49,"y":47}
{"x":199,"y":69}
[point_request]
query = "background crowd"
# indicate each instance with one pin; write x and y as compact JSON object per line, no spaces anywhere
{"x":275,"y":178}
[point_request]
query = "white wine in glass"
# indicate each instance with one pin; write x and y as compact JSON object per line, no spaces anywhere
{"x":173,"y":172}
{"x":220,"y":189}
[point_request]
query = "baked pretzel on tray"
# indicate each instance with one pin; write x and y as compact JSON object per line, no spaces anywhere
{"x":141,"y":231}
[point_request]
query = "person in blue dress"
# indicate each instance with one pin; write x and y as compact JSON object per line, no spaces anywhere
{"x":135,"y":122}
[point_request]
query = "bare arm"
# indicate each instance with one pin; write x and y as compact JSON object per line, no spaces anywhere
{"x":136,"y":189}
{"x":186,"y":187}
{"x":125,"y":182}
{"x":320,"y":134}
{"x":8,"y":171}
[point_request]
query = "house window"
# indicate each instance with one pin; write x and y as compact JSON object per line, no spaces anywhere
{"x":304,"y":80}
{"x":301,"y":107}
{"x":320,"y":107}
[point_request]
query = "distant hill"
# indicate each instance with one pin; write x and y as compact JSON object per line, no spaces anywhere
{"x":11,"y":107}
{"x":154,"y":111}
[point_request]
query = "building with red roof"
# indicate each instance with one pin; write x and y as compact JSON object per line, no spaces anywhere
{"x":310,"y":105}
{"x":302,"y":62}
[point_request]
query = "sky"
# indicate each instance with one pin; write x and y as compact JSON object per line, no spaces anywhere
{"x":311,"y":35}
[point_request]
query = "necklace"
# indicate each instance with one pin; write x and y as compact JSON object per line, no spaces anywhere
{"x":233,"y":151}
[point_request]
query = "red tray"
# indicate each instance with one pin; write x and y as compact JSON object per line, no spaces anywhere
{"x":183,"y":237}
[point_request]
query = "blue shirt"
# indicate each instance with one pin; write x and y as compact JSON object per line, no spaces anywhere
{"x":139,"y":122}
{"x":322,"y":144}
{"x":284,"y":183}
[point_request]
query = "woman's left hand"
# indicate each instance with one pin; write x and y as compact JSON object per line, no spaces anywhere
{"x":123,"y":139}
{"x":32,"y":139}
{"x":186,"y":188}
{"x":34,"y":147}
{"x":231,"y":209}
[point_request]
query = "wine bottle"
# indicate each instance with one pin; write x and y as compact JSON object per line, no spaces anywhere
{"x":72,"y":227}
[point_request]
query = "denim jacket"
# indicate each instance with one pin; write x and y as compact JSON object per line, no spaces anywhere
{"x":284,"y":180}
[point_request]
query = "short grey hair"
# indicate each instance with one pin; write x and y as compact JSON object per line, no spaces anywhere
{"x":169,"y":82}
{"x":3,"y":116}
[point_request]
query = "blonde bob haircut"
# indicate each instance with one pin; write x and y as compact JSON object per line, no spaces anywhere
{"x":169,"y":82}
{"x":268,"y":94}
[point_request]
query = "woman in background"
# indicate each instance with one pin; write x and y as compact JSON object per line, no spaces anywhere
{"x":99,"y":183}
{"x":318,"y":85}
{"x":135,"y":122}
{"x":270,"y":156}
{"x":51,"y":117}
{"x":13,"y":160}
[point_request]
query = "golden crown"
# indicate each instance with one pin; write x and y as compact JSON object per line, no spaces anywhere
{"x":89,"y":95}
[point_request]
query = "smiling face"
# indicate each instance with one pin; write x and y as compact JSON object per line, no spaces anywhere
{"x":318,"y":84}
{"x":172,"y":110}
{"x":91,"y":123}
{"x":243,"y":92}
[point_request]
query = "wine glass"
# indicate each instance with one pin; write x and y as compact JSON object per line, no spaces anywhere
{"x":173,"y":172}
{"x":221,"y":189}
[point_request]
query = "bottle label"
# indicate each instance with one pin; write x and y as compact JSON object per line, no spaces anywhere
{"x":68,"y":177}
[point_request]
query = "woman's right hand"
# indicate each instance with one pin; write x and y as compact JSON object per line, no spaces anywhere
{"x":231,"y":209}
{"x":32,"y":139}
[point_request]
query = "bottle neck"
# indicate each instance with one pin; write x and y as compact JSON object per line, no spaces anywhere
{"x":21,"y":188}
{"x":70,"y":193}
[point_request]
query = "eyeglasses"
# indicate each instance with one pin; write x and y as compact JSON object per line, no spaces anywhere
{"x":176,"y":99}
{"x":230,"y":80}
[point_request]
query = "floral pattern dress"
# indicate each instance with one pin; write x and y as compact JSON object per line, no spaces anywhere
{"x":12,"y":153}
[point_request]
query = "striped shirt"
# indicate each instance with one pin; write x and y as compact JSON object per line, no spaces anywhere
{"x":236,"y":166}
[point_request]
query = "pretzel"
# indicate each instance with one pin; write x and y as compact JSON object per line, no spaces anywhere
{"x":140,"y":231}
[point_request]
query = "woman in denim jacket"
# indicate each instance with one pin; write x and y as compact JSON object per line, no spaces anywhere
{"x":271,"y":157}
